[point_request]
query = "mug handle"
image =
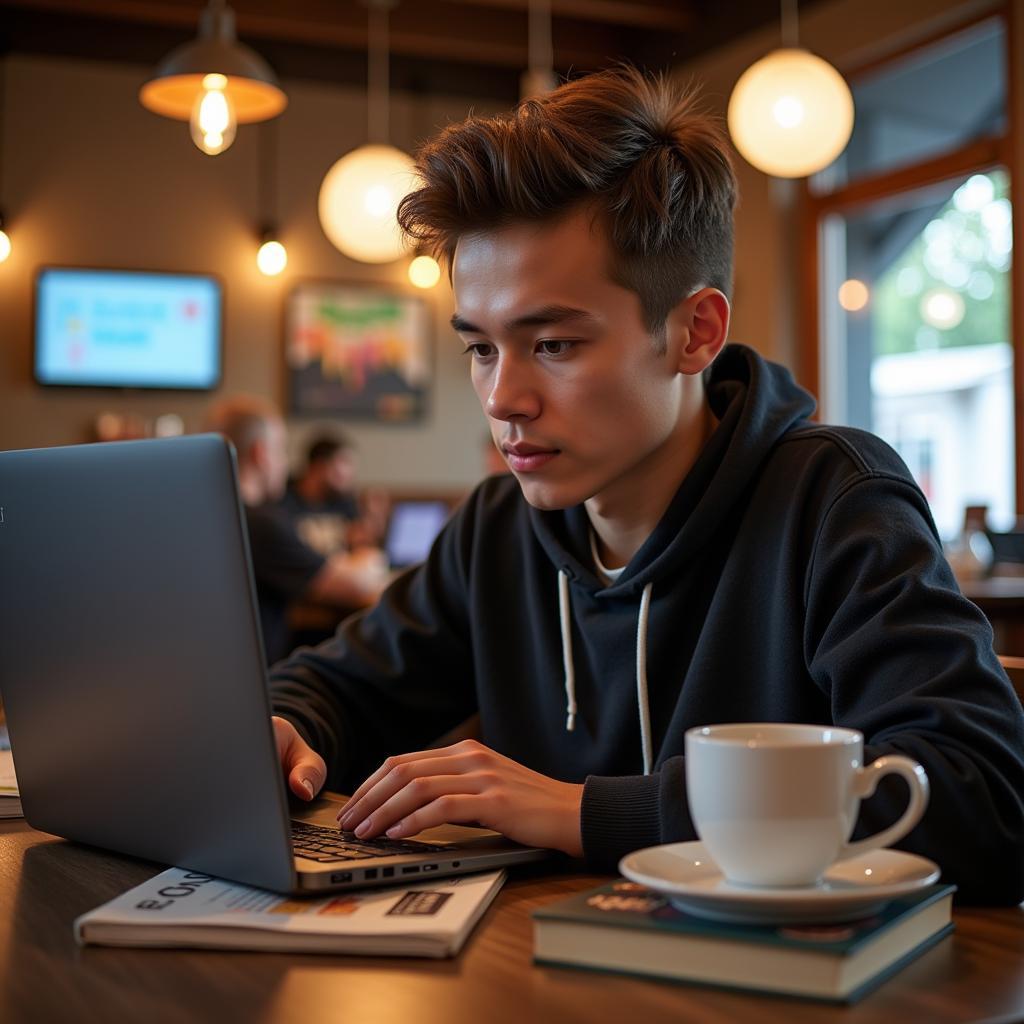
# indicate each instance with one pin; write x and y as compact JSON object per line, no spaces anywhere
{"x":866,"y":781}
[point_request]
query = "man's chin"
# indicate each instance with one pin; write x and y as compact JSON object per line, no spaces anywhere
{"x":546,"y":496}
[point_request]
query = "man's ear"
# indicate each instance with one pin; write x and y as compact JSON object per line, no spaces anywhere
{"x":697,"y":328}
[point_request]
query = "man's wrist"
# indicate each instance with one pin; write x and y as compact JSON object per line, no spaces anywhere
{"x":572,"y":843}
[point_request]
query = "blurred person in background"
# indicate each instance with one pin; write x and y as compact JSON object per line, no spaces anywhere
{"x":287,"y":569}
{"x":323,"y":501}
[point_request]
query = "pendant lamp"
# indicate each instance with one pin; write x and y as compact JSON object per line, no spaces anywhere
{"x":360,"y":194}
{"x":5,"y":241}
{"x":424,"y":271}
{"x":790,"y":113}
{"x":272,"y":256}
{"x":539,"y":76}
{"x":214,"y":82}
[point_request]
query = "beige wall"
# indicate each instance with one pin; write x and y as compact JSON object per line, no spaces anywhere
{"x":92,"y":178}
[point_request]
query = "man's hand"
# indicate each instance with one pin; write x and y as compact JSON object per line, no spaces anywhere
{"x":466,"y":782}
{"x":303,"y":767}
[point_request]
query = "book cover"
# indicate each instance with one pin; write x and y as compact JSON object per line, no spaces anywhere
{"x":180,"y":908}
{"x":627,"y":927}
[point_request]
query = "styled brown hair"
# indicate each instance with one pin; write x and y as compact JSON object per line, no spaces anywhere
{"x":656,"y":170}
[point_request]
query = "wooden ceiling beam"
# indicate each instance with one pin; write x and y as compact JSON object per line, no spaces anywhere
{"x":463,"y":31}
{"x":672,"y":15}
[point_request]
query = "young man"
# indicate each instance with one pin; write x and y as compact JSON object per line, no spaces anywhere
{"x":286,"y":568}
{"x":678,"y":544}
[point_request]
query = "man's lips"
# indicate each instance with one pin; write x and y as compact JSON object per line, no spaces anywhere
{"x":526,"y":458}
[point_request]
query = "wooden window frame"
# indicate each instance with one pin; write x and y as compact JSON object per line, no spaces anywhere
{"x":1006,"y":150}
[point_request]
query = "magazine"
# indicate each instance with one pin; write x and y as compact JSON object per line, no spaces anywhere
{"x":187,"y":908}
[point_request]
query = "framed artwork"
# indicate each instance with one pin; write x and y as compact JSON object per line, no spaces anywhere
{"x":358,"y":351}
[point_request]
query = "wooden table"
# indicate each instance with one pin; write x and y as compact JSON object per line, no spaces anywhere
{"x":45,"y":883}
{"x":1001,"y":598}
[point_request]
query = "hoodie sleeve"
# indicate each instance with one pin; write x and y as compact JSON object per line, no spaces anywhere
{"x":907,"y":660}
{"x":624,"y":813}
{"x":392,"y":679}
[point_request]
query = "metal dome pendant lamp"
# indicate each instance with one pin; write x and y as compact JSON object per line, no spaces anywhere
{"x":214,"y":82}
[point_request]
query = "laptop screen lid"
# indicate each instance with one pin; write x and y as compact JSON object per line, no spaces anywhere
{"x":412,"y":529}
{"x":131,"y":664}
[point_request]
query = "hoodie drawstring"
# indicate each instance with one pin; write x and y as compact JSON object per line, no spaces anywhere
{"x":641,"y":677}
{"x":570,"y":674}
{"x":643,"y":706}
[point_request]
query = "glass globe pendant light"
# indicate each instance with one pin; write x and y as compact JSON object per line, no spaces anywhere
{"x":790,"y":113}
{"x":360,"y":194}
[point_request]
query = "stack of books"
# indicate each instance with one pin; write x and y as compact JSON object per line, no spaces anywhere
{"x":627,"y":927}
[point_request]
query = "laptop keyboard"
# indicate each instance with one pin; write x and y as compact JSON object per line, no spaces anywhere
{"x":329,"y":845}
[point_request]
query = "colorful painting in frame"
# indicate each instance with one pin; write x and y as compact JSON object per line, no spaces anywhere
{"x":359,"y":351}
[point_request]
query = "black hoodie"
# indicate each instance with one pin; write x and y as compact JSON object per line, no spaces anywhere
{"x":796,"y":576}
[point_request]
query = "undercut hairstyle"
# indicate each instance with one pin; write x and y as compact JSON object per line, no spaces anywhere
{"x":635,"y":148}
{"x":242,"y":419}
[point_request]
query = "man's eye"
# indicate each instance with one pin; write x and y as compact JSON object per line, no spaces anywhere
{"x":479,"y":350}
{"x":554,"y":346}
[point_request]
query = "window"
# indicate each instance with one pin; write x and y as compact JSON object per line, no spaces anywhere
{"x":933,"y":100}
{"x":912,"y":266}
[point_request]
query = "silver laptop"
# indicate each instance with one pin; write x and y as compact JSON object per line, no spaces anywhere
{"x":131,"y":670}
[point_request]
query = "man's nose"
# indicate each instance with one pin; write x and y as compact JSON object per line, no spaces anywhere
{"x":513,"y":392}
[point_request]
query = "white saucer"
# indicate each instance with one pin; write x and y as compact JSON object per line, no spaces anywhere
{"x":849,"y":889}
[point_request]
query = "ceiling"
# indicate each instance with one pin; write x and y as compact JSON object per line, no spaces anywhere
{"x":466,"y":47}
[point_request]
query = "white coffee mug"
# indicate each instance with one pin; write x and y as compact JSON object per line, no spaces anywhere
{"x":776,"y":804}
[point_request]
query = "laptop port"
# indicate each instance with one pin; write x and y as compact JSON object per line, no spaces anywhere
{"x":430,"y":867}
{"x":387,"y":872}
{"x":341,"y":876}
{"x":412,"y":869}
{"x":456,"y":863}
{"x":370,"y":873}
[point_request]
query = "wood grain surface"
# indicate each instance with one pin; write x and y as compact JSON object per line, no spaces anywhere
{"x":975,"y":975}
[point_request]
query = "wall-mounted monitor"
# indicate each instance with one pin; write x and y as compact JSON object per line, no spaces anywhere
{"x":127,"y":329}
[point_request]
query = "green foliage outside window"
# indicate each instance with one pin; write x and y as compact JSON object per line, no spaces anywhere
{"x":961,"y":256}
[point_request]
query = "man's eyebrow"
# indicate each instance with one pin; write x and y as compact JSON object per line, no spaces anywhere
{"x":537,"y":318}
{"x":463,"y":326}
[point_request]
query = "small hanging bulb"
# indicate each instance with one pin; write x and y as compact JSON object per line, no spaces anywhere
{"x":424,"y":272}
{"x":213,"y":121}
{"x":272,"y":256}
{"x":5,"y":241}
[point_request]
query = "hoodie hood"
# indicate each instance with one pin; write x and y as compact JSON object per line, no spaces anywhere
{"x":756,"y":404}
